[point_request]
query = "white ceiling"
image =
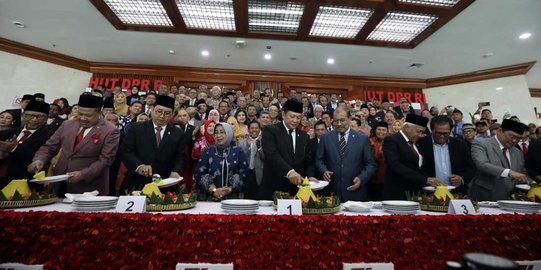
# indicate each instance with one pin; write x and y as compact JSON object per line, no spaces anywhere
{"x":78,"y":29}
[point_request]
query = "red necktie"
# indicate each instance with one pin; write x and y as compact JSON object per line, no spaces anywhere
{"x":25,"y":136}
{"x":524,"y":148}
{"x":158,"y":136}
{"x":80,"y":136}
{"x":413,"y":149}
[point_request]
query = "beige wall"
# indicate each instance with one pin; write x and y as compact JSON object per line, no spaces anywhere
{"x":514,"y":97}
{"x":21,"y":75}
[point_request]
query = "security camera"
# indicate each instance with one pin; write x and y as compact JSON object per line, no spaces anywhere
{"x":240,"y":43}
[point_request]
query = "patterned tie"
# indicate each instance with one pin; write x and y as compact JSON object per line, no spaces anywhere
{"x":80,"y":136}
{"x":158,"y":136}
{"x":413,"y":149}
{"x":25,"y":136}
{"x":524,"y":148}
{"x":342,"y":144}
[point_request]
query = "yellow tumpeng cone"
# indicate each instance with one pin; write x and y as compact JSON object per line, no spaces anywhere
{"x":442,"y":193}
{"x":305,"y":192}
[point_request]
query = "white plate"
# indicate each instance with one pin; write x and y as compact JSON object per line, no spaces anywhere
{"x":377,"y":205}
{"x":96,"y":199}
{"x":265,"y":203}
{"x":240,"y":202}
{"x":318,"y":186}
{"x":432,"y":189}
{"x":51,"y":179}
{"x":523,"y":187}
{"x":527,"y":211}
{"x":488,"y":204}
{"x":357,"y":209}
{"x":240,"y":209}
{"x":94,"y":204}
{"x":400,"y":203}
{"x":167,"y":182}
{"x":519,"y":203}
{"x":401,"y":212}
{"x":234,"y":212}
{"x":102,"y":208}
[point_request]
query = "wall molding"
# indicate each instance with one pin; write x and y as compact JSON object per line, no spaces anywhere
{"x":535,"y":92}
{"x":325,"y":80}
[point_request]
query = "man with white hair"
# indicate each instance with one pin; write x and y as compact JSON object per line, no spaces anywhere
{"x":318,"y":111}
{"x":403,"y":160}
{"x":214,"y":101}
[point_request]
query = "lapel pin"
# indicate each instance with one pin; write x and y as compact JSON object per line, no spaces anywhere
{"x":168,"y":133}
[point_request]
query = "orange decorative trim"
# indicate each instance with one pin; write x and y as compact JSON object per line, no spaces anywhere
{"x":535,"y":92}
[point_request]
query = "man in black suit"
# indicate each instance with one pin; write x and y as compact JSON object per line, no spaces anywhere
{"x":153,"y":147}
{"x":445,"y":157}
{"x":18,"y":145}
{"x":18,"y":113}
{"x":403,"y":160}
{"x":288,"y":155}
{"x":320,"y":128}
{"x":327,"y":107}
{"x":192,"y":98}
{"x":404,"y":108}
{"x":533,"y":160}
{"x":54,"y":120}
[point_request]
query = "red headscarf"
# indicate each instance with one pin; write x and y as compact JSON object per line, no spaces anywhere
{"x":209,"y":137}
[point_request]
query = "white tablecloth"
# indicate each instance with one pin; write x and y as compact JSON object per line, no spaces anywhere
{"x":214,"y":208}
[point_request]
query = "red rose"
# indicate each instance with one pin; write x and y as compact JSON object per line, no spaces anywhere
{"x":95,"y":138}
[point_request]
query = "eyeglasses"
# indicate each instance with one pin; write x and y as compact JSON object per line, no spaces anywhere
{"x":165,"y":113}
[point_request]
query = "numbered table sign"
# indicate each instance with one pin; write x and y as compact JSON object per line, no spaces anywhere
{"x":131,"y":204}
{"x":290,"y":207}
{"x":368,"y":266}
{"x":461,"y":207}
{"x":203,"y":266}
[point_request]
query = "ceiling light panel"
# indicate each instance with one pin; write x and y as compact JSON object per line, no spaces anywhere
{"x":140,"y":12}
{"x":401,"y":27}
{"x":207,"y":14}
{"x":442,"y":3}
{"x":274,"y":16}
{"x":339,"y":22}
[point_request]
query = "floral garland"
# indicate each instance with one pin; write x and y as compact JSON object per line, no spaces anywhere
{"x":155,"y":241}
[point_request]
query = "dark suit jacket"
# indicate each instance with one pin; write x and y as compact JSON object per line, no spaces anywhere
{"x":533,"y":159}
{"x":358,"y":161}
{"x":399,"y":112}
{"x":139,"y":148}
{"x":402,"y":171}
{"x":329,"y":109}
{"x":280,"y":159}
{"x":56,"y":124}
{"x":18,"y":160}
{"x":459,"y":154}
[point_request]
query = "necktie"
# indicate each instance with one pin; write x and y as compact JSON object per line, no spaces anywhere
{"x":25,"y":136}
{"x":504,"y":151}
{"x":253,"y":150}
{"x":342,"y":145}
{"x":413,"y":149}
{"x":158,"y":136}
{"x":224,"y":170}
{"x":524,"y":148}
{"x":291,"y":138}
{"x":80,"y":136}
{"x":454,"y":129}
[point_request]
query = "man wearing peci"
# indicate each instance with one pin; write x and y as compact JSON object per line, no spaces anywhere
{"x":500,"y":165}
{"x":403,"y":160}
{"x":288,"y":155}
{"x":89,"y":145}
{"x":345,"y":158}
{"x":153,"y":147}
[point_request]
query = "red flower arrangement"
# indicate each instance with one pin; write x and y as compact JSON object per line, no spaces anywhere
{"x":154,"y":241}
{"x":95,"y":138}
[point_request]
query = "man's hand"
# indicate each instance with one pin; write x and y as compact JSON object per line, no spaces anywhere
{"x":8,"y":145}
{"x":174,"y":175}
{"x":456,"y":180}
{"x":145,"y":170}
{"x":295,"y":178}
{"x":356,"y":184}
{"x":327,"y":176}
{"x":35,"y":166}
{"x":313,"y":179}
{"x":433,"y":181}
{"x":75,"y":176}
{"x":522,"y":178}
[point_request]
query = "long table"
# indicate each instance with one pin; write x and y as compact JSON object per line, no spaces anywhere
{"x":62,"y":238}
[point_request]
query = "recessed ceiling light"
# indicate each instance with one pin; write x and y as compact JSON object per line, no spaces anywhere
{"x":18,"y":24}
{"x":205,"y":53}
{"x":293,"y":58}
{"x":268,"y":56}
{"x":525,"y":35}
{"x":487,"y":55}
{"x":499,"y":88}
{"x":171,"y":52}
{"x":330,"y":61}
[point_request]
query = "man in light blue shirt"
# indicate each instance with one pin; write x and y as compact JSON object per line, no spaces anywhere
{"x":458,"y":123}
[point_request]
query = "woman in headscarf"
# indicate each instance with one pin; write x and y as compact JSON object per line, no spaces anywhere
{"x":121,"y":104}
{"x":221,"y":170}
{"x":214,"y":115}
{"x":134,"y":95}
{"x":206,"y":140}
{"x":237,"y":134}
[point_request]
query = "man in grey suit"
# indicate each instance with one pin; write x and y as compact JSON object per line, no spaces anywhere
{"x":252,"y":148}
{"x":345,"y":158}
{"x":499,"y":164}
